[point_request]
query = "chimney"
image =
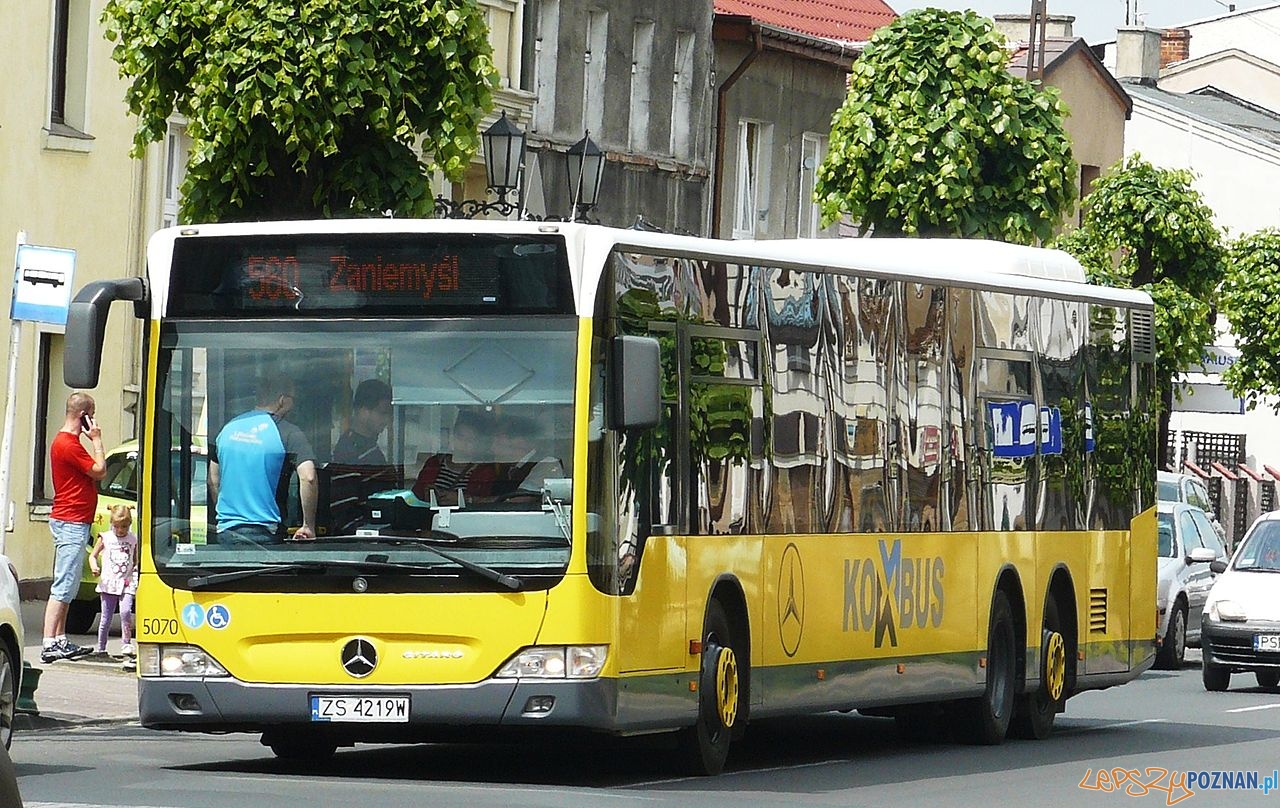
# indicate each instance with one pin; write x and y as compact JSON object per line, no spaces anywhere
{"x":1138,"y":54}
{"x":1015,"y":27}
{"x":1175,"y":46}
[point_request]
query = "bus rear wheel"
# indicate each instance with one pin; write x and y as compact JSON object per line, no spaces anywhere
{"x":988,"y":717}
{"x":1034,"y":716}
{"x":704,"y":747}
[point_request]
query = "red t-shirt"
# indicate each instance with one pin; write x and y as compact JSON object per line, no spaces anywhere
{"x":75,"y":493}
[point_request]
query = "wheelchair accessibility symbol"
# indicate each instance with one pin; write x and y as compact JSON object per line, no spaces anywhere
{"x":193,"y":615}
{"x":218,"y":617}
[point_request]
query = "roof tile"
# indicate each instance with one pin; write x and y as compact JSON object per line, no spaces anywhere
{"x":846,"y":20}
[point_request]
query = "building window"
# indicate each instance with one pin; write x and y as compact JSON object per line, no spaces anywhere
{"x":595,"y":61}
{"x":506,"y":32}
{"x":1088,"y":176}
{"x":546,"y":48}
{"x":641,"y":81}
{"x":68,"y":66}
{"x":682,"y":123}
{"x":809,"y":219}
{"x":749,"y":201}
{"x":177,"y":150}
{"x":47,"y":426}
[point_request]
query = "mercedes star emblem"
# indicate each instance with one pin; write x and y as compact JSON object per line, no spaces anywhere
{"x":359,"y":657}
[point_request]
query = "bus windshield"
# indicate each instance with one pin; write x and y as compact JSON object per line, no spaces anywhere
{"x":422,"y":455}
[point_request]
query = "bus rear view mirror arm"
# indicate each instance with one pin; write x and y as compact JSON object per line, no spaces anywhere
{"x":87,"y":325}
{"x":635,"y":377}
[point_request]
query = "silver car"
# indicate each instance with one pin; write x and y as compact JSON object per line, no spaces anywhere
{"x":1187,"y":544}
{"x":1174,"y":487}
{"x":11,"y":642}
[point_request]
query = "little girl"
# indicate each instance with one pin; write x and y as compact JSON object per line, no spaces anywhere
{"x":118,"y":577}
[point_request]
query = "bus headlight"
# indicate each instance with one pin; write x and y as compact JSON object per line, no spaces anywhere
{"x":556,"y":662}
{"x":176,"y":660}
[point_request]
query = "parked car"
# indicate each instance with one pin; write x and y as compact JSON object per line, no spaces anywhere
{"x":11,"y":644}
{"x":120,"y":487}
{"x":1187,"y":544}
{"x":1241,"y":631}
{"x":1188,"y":488}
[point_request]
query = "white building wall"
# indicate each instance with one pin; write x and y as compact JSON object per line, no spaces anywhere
{"x":1236,"y":176}
{"x":1250,"y":80}
{"x":1256,"y":32}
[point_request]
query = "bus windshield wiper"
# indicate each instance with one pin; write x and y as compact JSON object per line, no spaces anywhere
{"x":509,"y":581}
{"x":202,"y":581}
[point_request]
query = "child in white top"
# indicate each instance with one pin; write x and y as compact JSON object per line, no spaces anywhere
{"x":118,"y":576}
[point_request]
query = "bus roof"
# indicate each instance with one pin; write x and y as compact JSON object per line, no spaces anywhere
{"x":969,"y":263}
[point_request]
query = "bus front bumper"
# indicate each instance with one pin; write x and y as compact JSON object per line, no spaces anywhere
{"x":228,"y":705}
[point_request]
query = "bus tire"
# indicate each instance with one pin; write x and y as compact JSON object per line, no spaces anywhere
{"x":1035,"y":713}
{"x":989,"y":716}
{"x":80,"y":614}
{"x":704,"y":747}
{"x":296,"y":746}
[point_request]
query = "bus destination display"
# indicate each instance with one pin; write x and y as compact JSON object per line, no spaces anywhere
{"x":385,"y":274}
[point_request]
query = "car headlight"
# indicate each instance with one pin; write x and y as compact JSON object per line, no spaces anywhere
{"x":556,"y":662}
{"x":177,"y":660}
{"x":1227,"y":611}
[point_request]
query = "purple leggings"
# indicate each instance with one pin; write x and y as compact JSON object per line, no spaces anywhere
{"x":109,"y":605}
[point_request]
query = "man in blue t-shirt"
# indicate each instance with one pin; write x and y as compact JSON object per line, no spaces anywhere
{"x":251,"y":463}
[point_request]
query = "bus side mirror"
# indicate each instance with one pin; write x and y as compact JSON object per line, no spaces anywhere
{"x":87,"y":327}
{"x":634,"y":379}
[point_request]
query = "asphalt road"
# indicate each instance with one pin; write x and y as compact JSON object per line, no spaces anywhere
{"x":1164,"y":721}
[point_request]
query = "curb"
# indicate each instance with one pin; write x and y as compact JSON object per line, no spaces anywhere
{"x":27,"y":722}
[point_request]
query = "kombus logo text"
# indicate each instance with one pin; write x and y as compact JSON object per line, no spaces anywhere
{"x":891,"y":592}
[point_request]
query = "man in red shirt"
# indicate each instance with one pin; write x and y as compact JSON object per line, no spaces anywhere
{"x":75,"y":501}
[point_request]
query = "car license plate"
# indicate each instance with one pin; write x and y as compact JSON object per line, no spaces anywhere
{"x":373,"y":709}
{"x":1266,"y":642}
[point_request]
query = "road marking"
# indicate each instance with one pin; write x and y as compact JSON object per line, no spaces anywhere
{"x":1252,"y":709}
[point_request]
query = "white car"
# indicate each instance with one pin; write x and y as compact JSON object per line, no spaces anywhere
{"x":1241,"y":631}
{"x":1174,"y":487}
{"x":1187,"y":544}
{"x":11,"y":643}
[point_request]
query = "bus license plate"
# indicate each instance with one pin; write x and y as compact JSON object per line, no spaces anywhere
{"x":373,"y":709}
{"x":1266,"y":642}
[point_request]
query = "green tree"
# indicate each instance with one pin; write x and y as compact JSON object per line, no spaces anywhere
{"x":1148,"y":228}
{"x":936,"y":137}
{"x":300,"y":108}
{"x":1250,"y":299}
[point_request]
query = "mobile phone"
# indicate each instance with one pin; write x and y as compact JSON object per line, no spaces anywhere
{"x":84,"y":422}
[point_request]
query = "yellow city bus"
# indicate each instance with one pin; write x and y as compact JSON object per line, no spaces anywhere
{"x":690,"y":483}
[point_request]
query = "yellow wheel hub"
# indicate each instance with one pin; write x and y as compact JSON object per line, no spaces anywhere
{"x":1055,"y":664}
{"x":727,"y":686}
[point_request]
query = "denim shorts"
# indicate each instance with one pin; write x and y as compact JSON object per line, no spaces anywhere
{"x":70,"y":540}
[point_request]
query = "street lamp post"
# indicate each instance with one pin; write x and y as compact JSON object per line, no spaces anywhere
{"x":586,"y":168}
{"x":504,"y":145}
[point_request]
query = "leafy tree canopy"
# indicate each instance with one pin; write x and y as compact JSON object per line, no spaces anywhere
{"x":1148,"y":228}
{"x":307,"y":107}
{"x":936,"y":137}
{"x":1250,"y":298}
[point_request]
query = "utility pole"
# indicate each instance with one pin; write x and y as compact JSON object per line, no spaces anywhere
{"x":1035,"y":41}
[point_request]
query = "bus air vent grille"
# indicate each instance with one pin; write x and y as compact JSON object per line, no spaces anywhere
{"x":1097,"y":611}
{"x":1142,"y":335}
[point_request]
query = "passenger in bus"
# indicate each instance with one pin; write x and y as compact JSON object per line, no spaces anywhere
{"x":468,"y":466}
{"x":359,"y":467}
{"x":251,"y":463}
{"x":524,"y":462}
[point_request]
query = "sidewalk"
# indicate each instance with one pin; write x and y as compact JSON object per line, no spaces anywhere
{"x":76,"y":692}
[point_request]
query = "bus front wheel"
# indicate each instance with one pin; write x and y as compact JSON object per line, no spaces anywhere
{"x":704,"y":747}
{"x":298,"y":747}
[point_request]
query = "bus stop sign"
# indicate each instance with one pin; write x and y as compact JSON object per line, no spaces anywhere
{"x":42,"y":283}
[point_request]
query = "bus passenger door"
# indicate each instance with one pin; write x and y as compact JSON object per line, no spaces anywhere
{"x":652,"y":608}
